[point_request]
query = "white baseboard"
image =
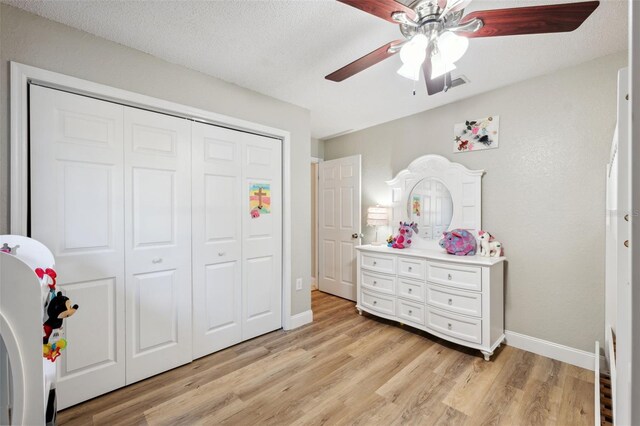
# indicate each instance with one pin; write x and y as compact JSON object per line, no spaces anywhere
{"x":552,"y":350}
{"x":314,"y":284}
{"x":298,"y":320}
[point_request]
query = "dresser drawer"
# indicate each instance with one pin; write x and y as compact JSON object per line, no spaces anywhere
{"x":410,"y":312}
{"x":378,"y":302}
{"x":409,"y":289}
{"x":463,"y":328}
{"x":377,"y":282}
{"x":379,"y":263}
{"x":462,"y":302}
{"x":412,"y":268}
{"x":459,"y":276}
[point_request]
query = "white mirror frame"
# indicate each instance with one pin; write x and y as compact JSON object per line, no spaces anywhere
{"x":465,"y":186}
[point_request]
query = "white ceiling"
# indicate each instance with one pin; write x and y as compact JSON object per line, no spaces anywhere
{"x":284,"y":48}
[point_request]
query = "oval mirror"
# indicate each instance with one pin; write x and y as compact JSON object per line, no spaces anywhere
{"x":431,"y":207}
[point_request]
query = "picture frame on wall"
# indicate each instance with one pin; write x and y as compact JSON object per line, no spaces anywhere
{"x":476,"y":135}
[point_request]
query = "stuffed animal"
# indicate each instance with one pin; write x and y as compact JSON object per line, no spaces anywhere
{"x":405,"y":233}
{"x":488,"y":245}
{"x":59,"y":308}
{"x":459,"y":242}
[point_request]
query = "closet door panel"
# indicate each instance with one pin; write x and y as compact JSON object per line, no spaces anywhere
{"x":157,"y":191}
{"x":217,"y":238}
{"x":76,"y":210}
{"x":262,"y":235}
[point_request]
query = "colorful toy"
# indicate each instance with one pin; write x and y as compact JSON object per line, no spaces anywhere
{"x":255,"y":213}
{"x":52,"y":351}
{"x":48,"y":277}
{"x":459,"y":242}
{"x":390,"y":241}
{"x":488,"y":245}
{"x":405,"y":233}
{"x":58,"y":309}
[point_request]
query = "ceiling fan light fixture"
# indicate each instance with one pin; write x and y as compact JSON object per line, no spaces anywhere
{"x":410,"y":71}
{"x":412,"y":55}
{"x":452,"y":47}
{"x":439,"y":66}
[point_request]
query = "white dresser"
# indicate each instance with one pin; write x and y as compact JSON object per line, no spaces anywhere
{"x":459,"y":299}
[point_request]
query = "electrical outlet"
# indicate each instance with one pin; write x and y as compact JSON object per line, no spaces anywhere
{"x":299,"y":284}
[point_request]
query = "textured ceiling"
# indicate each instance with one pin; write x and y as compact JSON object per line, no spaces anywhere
{"x":285,"y":48}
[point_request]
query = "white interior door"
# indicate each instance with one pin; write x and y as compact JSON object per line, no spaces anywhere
{"x":217,"y":238}
{"x":76,"y":210}
{"x":261,"y":194}
{"x":157,"y":207}
{"x":339,"y":225}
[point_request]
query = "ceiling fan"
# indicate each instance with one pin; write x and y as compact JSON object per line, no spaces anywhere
{"x":436,"y":33}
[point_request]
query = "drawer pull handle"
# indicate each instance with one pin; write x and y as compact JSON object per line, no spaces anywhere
{"x":375,"y":263}
{"x":410,"y":311}
{"x":449,"y":326}
{"x":157,"y":260}
{"x":375,"y":282}
{"x":221,"y":253}
{"x":410,"y":290}
{"x":375,"y":302}
{"x":626,"y":243}
{"x":626,"y":217}
{"x":449,"y":277}
{"x":450,"y":301}
{"x":410,"y":268}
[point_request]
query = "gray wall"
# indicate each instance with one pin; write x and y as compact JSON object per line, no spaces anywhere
{"x":543,"y":193}
{"x":317,"y":148}
{"x":36,"y":41}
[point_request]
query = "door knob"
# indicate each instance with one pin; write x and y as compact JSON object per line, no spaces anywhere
{"x":355,"y":235}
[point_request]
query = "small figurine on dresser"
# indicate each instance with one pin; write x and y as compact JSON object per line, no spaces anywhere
{"x":489,"y":247}
{"x":459,"y":242}
{"x":390,"y":241}
{"x":405,"y":234}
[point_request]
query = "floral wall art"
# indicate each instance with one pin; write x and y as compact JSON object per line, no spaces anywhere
{"x":476,"y":135}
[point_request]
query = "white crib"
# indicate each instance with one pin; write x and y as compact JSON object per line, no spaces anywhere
{"x":26,"y":378}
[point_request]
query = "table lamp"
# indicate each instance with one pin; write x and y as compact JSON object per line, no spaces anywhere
{"x":377,"y":216}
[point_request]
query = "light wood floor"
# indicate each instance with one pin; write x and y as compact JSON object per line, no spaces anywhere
{"x":351,"y":369}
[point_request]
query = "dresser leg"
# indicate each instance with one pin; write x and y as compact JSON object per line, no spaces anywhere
{"x":359,"y":311}
{"x":487,"y":355}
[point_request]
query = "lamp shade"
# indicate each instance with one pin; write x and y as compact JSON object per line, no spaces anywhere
{"x":412,"y":55}
{"x":377,"y":216}
{"x":452,"y":46}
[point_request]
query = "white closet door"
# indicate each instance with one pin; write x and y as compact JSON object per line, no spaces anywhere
{"x":262,"y":235}
{"x":217,"y":238}
{"x":157,"y":215}
{"x":76,"y":211}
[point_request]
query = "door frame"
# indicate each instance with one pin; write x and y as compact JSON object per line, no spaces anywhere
{"x":316,"y":273}
{"x":20,"y":77}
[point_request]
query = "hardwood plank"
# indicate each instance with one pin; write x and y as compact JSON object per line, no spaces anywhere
{"x":350,"y":369}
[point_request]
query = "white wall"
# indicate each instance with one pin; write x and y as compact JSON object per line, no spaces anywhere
{"x":36,"y":41}
{"x":543,"y":194}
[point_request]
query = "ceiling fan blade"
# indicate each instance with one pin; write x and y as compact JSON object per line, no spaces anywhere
{"x":364,"y":62}
{"x":381,"y":8}
{"x":555,"y":18}
{"x":435,"y":85}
